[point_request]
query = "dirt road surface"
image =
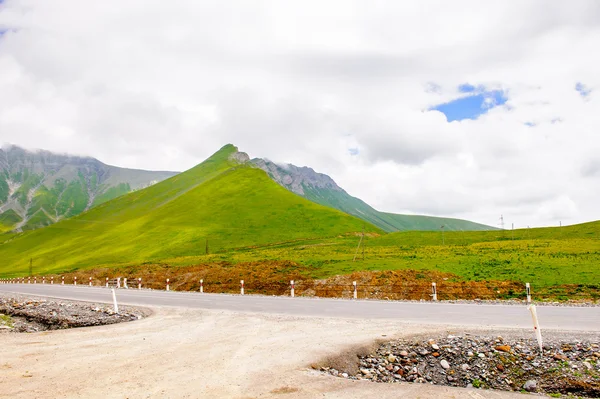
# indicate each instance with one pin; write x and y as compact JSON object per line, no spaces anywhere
{"x":189,"y":353}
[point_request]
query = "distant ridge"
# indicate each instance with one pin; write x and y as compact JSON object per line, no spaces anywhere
{"x":38,"y":188}
{"x":321,"y":189}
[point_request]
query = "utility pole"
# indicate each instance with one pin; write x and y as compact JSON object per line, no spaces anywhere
{"x":443,"y":240}
{"x":362,"y":236}
{"x":363,"y":239}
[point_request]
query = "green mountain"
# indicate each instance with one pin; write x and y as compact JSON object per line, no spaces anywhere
{"x":321,"y":189}
{"x":225,"y":200}
{"x":40,"y":188}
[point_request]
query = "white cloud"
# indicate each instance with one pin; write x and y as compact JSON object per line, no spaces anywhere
{"x":162,"y":85}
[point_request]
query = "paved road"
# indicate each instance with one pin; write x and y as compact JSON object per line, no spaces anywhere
{"x":563,"y":318}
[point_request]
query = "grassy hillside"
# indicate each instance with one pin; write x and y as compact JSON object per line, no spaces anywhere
{"x":546,"y":257}
{"x":229,"y":204}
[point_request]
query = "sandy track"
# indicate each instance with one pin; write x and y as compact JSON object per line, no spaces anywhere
{"x":197,"y":353}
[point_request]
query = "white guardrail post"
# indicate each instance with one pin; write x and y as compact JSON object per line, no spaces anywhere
{"x":241,"y":287}
{"x":114,"y":295}
{"x":52,"y":280}
{"x":107,"y":282}
{"x":167,"y":284}
{"x":74,"y":280}
{"x":434,"y":291}
{"x":355,"y":295}
{"x":90,"y":281}
{"x":201,"y":286}
{"x":125,"y":283}
{"x":536,"y":326}
{"x":292,"y":293}
{"x":63,"y":281}
{"x":528,"y":289}
{"x":139,"y":283}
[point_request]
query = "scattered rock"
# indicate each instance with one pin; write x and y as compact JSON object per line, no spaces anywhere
{"x":488,"y":363}
{"x":503,"y":348}
{"x":28,"y":315}
{"x":530,"y":386}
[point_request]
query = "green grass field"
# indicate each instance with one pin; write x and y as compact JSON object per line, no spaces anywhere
{"x":244,"y":216}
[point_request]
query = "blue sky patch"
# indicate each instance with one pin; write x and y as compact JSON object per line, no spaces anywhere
{"x":466,"y":88}
{"x":583,"y":90}
{"x":478,"y":102}
{"x":353,"y":151}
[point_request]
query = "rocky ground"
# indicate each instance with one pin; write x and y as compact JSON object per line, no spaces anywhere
{"x":567,"y":366}
{"x":23,"y":314}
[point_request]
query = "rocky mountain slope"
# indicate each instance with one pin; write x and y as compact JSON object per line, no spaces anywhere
{"x":321,"y":189}
{"x":38,"y":188}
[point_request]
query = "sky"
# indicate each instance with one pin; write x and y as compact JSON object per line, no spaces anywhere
{"x":460,"y":109}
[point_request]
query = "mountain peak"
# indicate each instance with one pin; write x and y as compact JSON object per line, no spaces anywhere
{"x":296,"y":178}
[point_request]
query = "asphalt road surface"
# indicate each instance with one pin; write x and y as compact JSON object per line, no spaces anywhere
{"x":465,"y":314}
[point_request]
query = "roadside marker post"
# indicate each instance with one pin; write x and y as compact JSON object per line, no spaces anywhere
{"x":74,"y":280}
{"x":528,"y":289}
{"x":114,"y":295}
{"x":202,"y":286}
{"x":90,"y":281}
{"x":63,"y":281}
{"x":28,"y":280}
{"x":434,"y":291}
{"x":52,"y":280}
{"x":107,"y":282}
{"x":536,"y":326}
{"x":241,"y":287}
{"x":355,"y":290}
{"x":43,"y":280}
{"x":139,"y":283}
{"x":292,"y":293}
{"x":168,"y":285}
{"x":35,"y":280}
{"x":118,"y":282}
{"x":125,"y":283}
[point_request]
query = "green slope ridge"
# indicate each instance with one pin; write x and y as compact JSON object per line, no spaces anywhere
{"x":8,"y":219}
{"x":323,"y":190}
{"x":228,"y":203}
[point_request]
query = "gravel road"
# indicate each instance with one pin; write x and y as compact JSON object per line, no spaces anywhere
{"x":191,"y":353}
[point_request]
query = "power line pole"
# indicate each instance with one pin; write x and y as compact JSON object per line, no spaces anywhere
{"x":443,"y":240}
{"x":363,"y":239}
{"x":362,"y":236}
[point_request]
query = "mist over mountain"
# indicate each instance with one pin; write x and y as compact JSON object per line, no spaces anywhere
{"x":38,"y":188}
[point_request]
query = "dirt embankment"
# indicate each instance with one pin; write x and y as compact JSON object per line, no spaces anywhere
{"x":273,"y":278}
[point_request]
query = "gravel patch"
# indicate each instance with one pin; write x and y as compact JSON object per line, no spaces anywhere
{"x":568,"y":366}
{"x":27,"y":314}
